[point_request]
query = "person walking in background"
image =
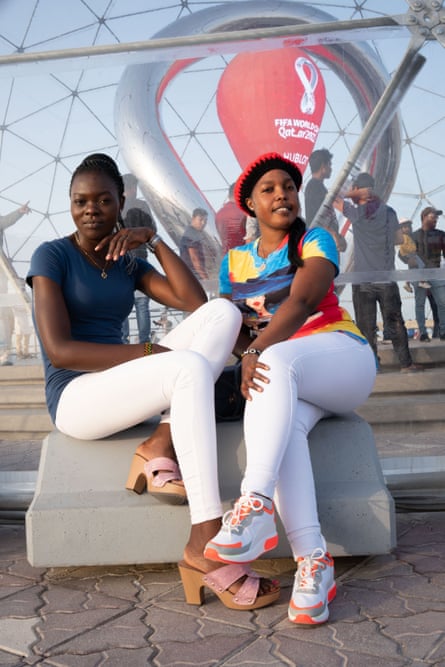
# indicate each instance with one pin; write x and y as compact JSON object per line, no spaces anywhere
{"x":230,"y":223}
{"x":136,"y":213}
{"x":430,"y":246}
{"x":376,"y":231}
{"x":315,"y":192}
{"x":7,"y":312}
{"x":11,"y":218}
{"x":408,"y":252}
{"x":191,"y":247}
{"x":434,"y":315}
{"x":303,"y":358}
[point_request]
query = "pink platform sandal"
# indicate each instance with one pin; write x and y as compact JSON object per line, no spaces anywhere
{"x":161,"y":476}
{"x":219,"y":581}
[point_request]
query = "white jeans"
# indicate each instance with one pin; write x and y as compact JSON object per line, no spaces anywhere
{"x":96,"y":405}
{"x":310,"y":378}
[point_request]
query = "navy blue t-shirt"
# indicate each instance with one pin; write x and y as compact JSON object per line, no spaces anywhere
{"x":97,"y":306}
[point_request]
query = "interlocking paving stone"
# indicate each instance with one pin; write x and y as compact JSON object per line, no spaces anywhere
{"x":389,"y":611}
{"x":113,"y":658}
{"x":189,"y":628}
{"x":418,"y":638}
{"x":24,"y":603}
{"x":261,"y":651}
{"x":17,"y":634}
{"x":58,"y":628}
{"x":205,"y":651}
{"x":9,"y":584}
{"x":438,"y":654}
{"x":377,"y":600}
{"x":297,"y":651}
{"x":128,"y":631}
{"x":92,"y":660}
{"x":8,"y":659}
{"x":416,"y":593}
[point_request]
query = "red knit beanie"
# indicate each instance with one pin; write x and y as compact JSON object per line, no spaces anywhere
{"x":253,"y":172}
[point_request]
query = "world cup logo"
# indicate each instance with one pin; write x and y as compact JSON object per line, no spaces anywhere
{"x":272,"y":101}
{"x":303,"y":67}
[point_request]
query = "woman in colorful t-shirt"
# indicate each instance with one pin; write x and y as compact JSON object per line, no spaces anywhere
{"x":303,"y":359}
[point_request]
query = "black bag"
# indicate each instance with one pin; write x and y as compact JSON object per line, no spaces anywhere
{"x":229,"y":402}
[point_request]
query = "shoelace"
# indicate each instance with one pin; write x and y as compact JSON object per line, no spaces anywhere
{"x":308,"y":573}
{"x":242,"y":508}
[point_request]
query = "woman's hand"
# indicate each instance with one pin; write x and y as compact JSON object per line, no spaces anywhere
{"x":251,"y":375}
{"x":124,"y":240}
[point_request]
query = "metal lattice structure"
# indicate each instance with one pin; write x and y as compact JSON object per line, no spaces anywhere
{"x":60,"y":70}
{"x":57,"y":99}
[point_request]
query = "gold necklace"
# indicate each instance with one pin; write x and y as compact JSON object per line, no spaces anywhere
{"x":261,"y":252}
{"x":102,"y":269}
{"x":263,"y":264}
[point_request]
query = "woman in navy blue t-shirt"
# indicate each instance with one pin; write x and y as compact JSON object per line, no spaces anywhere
{"x":83,"y":289}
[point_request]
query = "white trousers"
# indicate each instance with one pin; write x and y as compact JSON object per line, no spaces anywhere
{"x":96,"y":405}
{"x":310,"y":378}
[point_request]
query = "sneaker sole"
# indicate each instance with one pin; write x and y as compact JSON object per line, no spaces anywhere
{"x":306,"y":617}
{"x":212,"y":553}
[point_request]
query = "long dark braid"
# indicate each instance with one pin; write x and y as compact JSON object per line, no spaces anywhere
{"x":100,"y":162}
{"x":296,"y":231}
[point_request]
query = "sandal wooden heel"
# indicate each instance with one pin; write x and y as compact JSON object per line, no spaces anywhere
{"x":192,"y":584}
{"x":219,"y":581}
{"x":137,"y":481}
{"x":161,"y":477}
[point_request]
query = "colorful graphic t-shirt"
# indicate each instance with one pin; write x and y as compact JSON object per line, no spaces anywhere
{"x":258,"y":285}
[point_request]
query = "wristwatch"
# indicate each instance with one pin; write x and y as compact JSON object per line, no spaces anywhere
{"x":153,"y":242}
{"x":251,"y":350}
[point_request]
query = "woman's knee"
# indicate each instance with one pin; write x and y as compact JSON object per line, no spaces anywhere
{"x":225,"y":308}
{"x":277,"y":355}
{"x":193,"y":364}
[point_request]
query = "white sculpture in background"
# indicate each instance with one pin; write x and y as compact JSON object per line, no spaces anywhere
{"x":13,"y":311}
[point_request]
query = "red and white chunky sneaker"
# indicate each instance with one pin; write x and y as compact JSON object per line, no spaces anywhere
{"x":247,"y":531}
{"x":314,"y":588}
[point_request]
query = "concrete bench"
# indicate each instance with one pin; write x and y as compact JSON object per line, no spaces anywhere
{"x":82,"y":514}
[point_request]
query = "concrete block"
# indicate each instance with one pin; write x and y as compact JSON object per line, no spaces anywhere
{"x":82,"y":514}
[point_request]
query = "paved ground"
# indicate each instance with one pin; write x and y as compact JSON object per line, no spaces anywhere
{"x":389,"y":610}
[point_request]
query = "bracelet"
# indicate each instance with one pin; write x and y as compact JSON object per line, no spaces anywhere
{"x":250,"y":350}
{"x":148,"y":349}
{"x":153,"y":242}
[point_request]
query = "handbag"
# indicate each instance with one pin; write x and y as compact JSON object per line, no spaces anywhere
{"x":229,"y":402}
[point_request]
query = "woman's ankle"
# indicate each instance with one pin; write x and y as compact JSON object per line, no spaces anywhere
{"x":158,"y":444}
{"x":200,"y":534}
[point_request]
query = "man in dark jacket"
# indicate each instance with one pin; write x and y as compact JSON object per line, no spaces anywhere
{"x":376,"y":231}
{"x":315,"y":191}
{"x":430,"y":244}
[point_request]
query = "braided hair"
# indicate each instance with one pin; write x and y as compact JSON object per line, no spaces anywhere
{"x":100,"y":162}
{"x":296,"y":231}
